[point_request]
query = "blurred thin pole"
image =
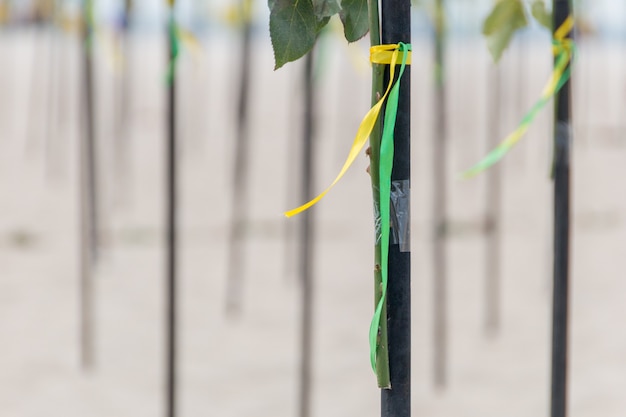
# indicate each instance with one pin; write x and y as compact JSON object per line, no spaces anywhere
{"x":38,"y":72}
{"x":293,"y":148}
{"x":64,"y":111}
{"x":87,"y":195}
{"x":439,"y":161}
{"x":306,"y":241}
{"x":123,"y":108}
{"x":562,"y":160}
{"x":493,"y":212}
{"x":171,"y":324}
{"x":522,"y":86}
{"x":91,"y":147}
{"x":51,"y":141}
{"x":237,"y":253}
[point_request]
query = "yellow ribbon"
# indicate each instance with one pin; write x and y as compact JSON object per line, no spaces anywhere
{"x":238,"y":14}
{"x":191,"y":42}
{"x":565,"y":28}
{"x":380,"y":54}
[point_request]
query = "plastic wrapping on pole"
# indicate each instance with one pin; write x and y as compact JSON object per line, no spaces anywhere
{"x":562,"y":148}
{"x":396,"y":402}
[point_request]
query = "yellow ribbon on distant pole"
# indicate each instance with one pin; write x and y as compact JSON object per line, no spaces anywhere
{"x":239,"y":14}
{"x":379,"y":54}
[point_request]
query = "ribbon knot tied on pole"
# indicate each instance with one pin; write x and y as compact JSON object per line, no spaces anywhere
{"x":564,"y":51}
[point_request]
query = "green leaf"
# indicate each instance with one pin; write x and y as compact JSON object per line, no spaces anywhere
{"x":293,"y":29}
{"x":505,"y":19}
{"x":355,"y":19}
{"x":541,"y":15}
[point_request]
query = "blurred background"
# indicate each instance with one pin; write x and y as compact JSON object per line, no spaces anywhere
{"x":244,"y":360}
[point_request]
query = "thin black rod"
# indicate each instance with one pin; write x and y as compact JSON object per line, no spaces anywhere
{"x":562,"y":151}
{"x":293,"y":147}
{"x":171,"y":242}
{"x":123,"y":108}
{"x":38,"y":61}
{"x":64,"y":111}
{"x":396,"y":402}
{"x":51,"y":144}
{"x":440,"y":181}
{"x":522,"y":73}
{"x":87,"y":197}
{"x":306,"y":242}
{"x":493,"y":212}
{"x":92,"y":162}
{"x":236,"y":255}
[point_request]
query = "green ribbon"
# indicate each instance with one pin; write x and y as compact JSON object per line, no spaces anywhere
{"x":385,"y":168}
{"x":173,"y":36}
{"x":564,"y":58}
{"x":89,"y":25}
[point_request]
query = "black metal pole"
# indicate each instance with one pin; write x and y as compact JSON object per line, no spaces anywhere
{"x":493,"y":213}
{"x":562,"y":155}
{"x":87,"y":198}
{"x":92,"y":163}
{"x":236,"y":256}
{"x":440,"y":181}
{"x":171,"y":240}
{"x":38,"y":62}
{"x":123,"y":108}
{"x":396,"y":402}
{"x":51,"y":143}
{"x":293,"y":147}
{"x":66,"y":56}
{"x":306,"y":242}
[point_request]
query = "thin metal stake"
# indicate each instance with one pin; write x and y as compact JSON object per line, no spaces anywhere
{"x":440,"y":270}
{"x":171,"y":242}
{"x":306,"y":242}
{"x":88,"y":235}
{"x":562,"y":156}
{"x":493,"y":213}
{"x":236,"y":256}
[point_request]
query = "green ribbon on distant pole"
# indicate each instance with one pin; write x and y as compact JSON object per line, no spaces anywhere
{"x":89,"y":24}
{"x":385,"y":169}
{"x":564,"y":50}
{"x":173,"y":35}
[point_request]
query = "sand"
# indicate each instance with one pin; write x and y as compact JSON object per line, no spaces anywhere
{"x":247,"y":366}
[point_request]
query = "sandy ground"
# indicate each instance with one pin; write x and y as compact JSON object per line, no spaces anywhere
{"x":248,"y":366}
